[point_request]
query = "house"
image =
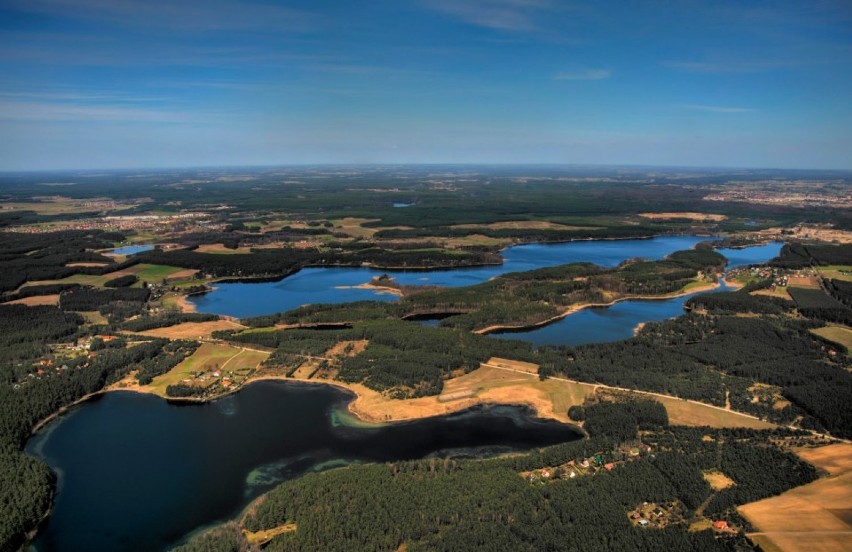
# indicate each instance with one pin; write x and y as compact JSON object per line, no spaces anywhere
{"x":643,"y":522}
{"x":721,"y":526}
{"x":609,"y":466}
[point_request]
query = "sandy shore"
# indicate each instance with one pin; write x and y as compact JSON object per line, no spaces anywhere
{"x":733,"y":284}
{"x":374,"y":287}
{"x":577,"y":308}
{"x":184,"y":304}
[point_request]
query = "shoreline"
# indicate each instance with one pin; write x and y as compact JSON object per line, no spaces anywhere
{"x":376,"y":288}
{"x":577,"y":308}
{"x":184,"y":304}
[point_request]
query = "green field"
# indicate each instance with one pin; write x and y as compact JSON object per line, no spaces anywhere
{"x":209,"y":357}
{"x":837,"y":272}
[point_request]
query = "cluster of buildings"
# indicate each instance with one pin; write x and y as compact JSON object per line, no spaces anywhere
{"x":178,"y":222}
{"x":586,"y":466}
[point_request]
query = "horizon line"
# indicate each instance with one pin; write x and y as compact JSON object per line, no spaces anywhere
{"x":6,"y":172}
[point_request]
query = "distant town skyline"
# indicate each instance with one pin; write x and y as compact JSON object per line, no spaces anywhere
{"x":94,"y":84}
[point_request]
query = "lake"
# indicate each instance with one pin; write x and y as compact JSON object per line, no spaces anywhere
{"x":130,"y":249}
{"x":335,"y":284}
{"x":603,"y":324}
{"x":138,"y":473}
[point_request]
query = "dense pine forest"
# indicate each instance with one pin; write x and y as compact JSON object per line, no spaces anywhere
{"x":493,"y":504}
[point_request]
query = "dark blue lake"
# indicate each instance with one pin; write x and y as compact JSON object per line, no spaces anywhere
{"x":138,"y":473}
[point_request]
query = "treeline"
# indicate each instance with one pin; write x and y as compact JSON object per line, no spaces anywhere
{"x":37,"y":290}
{"x":122,"y":281}
{"x":800,"y":255}
{"x":166,"y":319}
{"x":525,"y":234}
{"x":741,"y":301}
{"x":817,"y":304}
{"x":30,"y":257}
{"x":92,"y":299}
{"x":282,"y":262}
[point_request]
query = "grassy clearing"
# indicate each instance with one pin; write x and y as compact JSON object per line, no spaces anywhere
{"x":841,"y":335}
{"x":145,"y":272}
{"x":717,"y":480}
{"x":220,"y":249}
{"x":209,"y":357}
{"x":155,"y":273}
{"x":682,"y":412}
{"x":780,"y":292}
{"x":837,"y":272}
{"x":37,"y":300}
{"x":193,"y":330}
{"x":94,"y":317}
{"x":698,"y":285}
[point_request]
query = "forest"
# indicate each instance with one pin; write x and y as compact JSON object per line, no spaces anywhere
{"x":458,"y":504}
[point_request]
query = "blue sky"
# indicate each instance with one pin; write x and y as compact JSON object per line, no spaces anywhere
{"x":150,"y":83}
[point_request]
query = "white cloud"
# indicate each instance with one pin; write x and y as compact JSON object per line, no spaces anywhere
{"x":504,"y":15}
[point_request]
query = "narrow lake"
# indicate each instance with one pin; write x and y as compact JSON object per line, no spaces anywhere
{"x":603,"y":324}
{"x":138,"y":473}
{"x":334,"y":285}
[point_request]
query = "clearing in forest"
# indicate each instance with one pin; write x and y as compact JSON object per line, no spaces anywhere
{"x":717,"y":480}
{"x":193,"y":330}
{"x":36,"y":300}
{"x":208,"y":359}
{"x":842,"y":335}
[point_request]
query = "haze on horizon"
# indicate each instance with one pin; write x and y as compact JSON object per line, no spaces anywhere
{"x":159,"y":83}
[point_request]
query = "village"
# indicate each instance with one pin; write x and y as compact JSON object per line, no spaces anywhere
{"x":647,"y":515}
